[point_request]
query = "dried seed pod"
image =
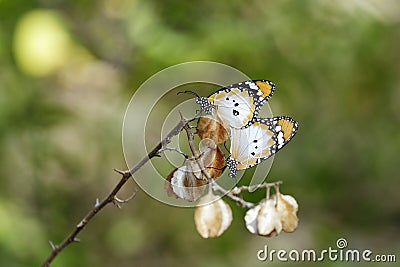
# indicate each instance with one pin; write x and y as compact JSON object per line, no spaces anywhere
{"x":251,"y":219}
{"x":182,"y":183}
{"x":264,"y":219}
{"x":287,"y":207}
{"x":269,"y":220}
{"x":187,"y":181}
{"x":212,"y":157}
{"x":213,"y":216}
{"x":210,"y":127}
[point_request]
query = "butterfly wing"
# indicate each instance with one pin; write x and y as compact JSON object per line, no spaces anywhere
{"x":262,"y":90}
{"x":285,"y":128}
{"x":234,"y":107}
{"x":237,"y":104}
{"x":262,"y":139}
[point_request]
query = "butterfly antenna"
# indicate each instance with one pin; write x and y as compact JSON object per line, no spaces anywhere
{"x":188,"y":92}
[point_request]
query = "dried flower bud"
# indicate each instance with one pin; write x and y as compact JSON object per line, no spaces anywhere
{"x":182,"y":183}
{"x":288,"y":207}
{"x":264,"y":219}
{"x":213,"y":216}
{"x":210,"y":127}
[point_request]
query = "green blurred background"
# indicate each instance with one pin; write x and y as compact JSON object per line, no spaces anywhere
{"x":69,"y":68}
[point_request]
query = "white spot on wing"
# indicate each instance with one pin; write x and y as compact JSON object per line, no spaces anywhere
{"x":253,"y":86}
{"x":281,"y":140}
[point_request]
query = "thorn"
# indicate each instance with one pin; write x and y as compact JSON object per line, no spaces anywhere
{"x":120,"y":172}
{"x":97,"y":203}
{"x":53,"y":247}
{"x":183,"y":118}
{"x":157,"y":155}
{"x":81,"y":223}
{"x":77,"y":240}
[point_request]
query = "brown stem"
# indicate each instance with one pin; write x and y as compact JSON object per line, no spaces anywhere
{"x":111,"y":198}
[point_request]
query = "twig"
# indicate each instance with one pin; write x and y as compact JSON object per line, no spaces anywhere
{"x":174,"y":149}
{"x":228,"y":194}
{"x":111,"y":198}
{"x":238,"y":190}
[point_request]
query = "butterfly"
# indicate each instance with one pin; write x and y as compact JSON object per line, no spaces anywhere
{"x":238,"y":104}
{"x":256,"y":143}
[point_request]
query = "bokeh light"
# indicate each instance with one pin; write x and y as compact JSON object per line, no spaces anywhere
{"x":42,"y":43}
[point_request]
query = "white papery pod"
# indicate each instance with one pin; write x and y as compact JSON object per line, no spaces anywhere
{"x":269,"y":219}
{"x":188,"y":181}
{"x":213,"y":216}
{"x":288,"y":207}
{"x":251,"y":219}
{"x":182,"y":183}
{"x":264,"y":219}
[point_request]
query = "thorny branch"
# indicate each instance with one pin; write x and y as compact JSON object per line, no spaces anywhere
{"x":161,"y":147}
{"x":112,"y":196}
